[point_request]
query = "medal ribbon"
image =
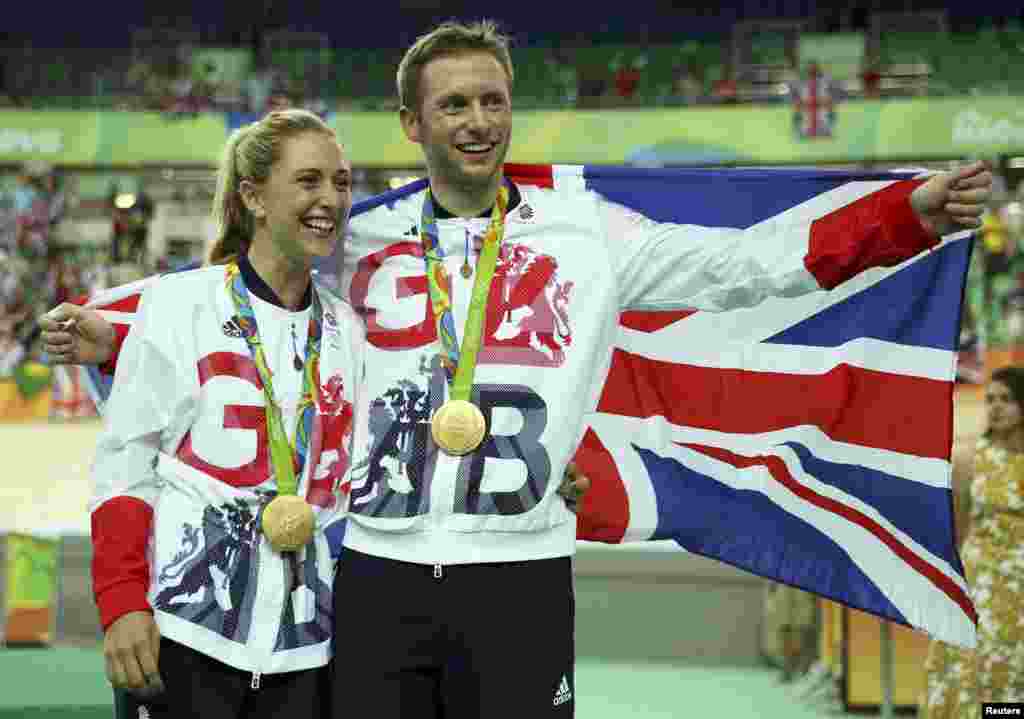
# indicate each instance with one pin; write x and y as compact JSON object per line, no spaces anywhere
{"x":460,"y":364}
{"x":287,"y":467}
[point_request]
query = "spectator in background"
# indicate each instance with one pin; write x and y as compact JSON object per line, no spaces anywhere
{"x":15,"y":306}
{"x":142,"y":215}
{"x":193,"y":88}
{"x":593,"y":79}
{"x":204,"y":83}
{"x":55,"y":186}
{"x":65,"y":279}
{"x":8,"y":239}
{"x":1013,"y":309}
{"x":871,"y":80}
{"x":726,"y":89}
{"x":182,"y":104}
{"x":687,"y":81}
{"x":12,"y":351}
{"x":996,"y":252}
{"x":790,"y":614}
{"x":563,"y":76}
{"x":988,"y":497}
{"x":279,"y":101}
{"x":13,"y":271}
{"x":32,"y":247}
{"x":118,"y":224}
{"x":32,"y":210}
{"x":144,"y":78}
{"x":131,"y":214}
{"x":259,"y":86}
{"x":627,"y":76}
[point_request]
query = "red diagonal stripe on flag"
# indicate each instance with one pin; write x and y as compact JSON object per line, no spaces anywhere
{"x":651,"y":321}
{"x":780,"y":473}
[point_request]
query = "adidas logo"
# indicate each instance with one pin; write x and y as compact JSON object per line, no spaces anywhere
{"x":526,"y":212}
{"x":231,"y":328}
{"x":411,"y":232}
{"x":563,"y":693}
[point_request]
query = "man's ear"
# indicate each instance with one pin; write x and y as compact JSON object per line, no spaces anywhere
{"x":410,"y":123}
{"x":252,"y":198}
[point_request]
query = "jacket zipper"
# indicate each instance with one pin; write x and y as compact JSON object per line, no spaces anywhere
{"x":258,"y":675}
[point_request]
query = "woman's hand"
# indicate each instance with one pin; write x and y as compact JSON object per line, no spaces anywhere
{"x":574,"y":485}
{"x":131,"y":651}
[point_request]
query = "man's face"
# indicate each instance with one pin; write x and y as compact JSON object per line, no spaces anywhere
{"x":464,"y":120}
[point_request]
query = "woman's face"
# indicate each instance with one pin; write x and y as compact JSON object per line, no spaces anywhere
{"x":306,"y":200}
{"x":1004,"y":413}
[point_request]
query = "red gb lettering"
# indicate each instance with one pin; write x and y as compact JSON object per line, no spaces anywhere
{"x":388,"y":338}
{"x":236,"y":416}
{"x":528,"y":322}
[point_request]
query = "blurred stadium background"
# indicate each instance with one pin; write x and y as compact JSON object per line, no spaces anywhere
{"x":111,"y":120}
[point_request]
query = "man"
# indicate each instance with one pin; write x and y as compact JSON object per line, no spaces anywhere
{"x":458,"y":557}
{"x":456,"y":597}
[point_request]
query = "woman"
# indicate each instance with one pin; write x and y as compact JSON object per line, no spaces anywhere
{"x":225,"y":441}
{"x":990,"y":491}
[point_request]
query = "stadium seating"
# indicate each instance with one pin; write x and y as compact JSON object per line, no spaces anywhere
{"x":988,"y":61}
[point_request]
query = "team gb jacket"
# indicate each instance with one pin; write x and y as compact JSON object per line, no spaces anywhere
{"x":182,"y":469}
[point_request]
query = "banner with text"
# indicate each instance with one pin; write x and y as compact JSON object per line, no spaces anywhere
{"x":910,"y":129}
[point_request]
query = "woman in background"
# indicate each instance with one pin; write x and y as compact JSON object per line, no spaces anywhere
{"x":989,"y":507}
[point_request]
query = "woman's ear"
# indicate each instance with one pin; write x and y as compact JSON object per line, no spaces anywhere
{"x":252,"y":198}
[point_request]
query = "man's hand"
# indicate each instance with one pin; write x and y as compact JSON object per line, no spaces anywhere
{"x":574,"y":485}
{"x":75,"y":335}
{"x":953,"y":201}
{"x":131,"y":650}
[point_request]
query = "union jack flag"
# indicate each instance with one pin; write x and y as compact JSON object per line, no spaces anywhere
{"x":806,"y":440}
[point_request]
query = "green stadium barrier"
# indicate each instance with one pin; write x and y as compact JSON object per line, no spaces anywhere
{"x":914,"y":129}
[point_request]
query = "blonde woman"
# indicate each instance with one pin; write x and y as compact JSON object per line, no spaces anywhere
{"x":224,"y":447}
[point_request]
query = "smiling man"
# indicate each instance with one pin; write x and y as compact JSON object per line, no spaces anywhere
{"x":491,"y":311}
{"x":458,"y":107}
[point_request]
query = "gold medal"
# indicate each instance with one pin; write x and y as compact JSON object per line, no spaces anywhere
{"x":458,"y":427}
{"x":288,"y":523}
{"x":467,"y":271}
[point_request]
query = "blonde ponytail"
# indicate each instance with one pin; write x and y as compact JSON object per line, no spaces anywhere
{"x":229,"y":213}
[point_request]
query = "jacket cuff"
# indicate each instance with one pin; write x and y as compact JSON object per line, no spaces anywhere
{"x":121,"y":530}
{"x":906,"y":233}
{"x":879,"y":230}
{"x":120,"y":599}
{"x":120,"y":332}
